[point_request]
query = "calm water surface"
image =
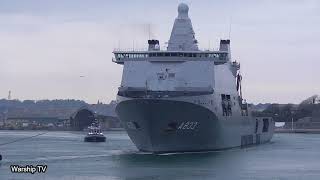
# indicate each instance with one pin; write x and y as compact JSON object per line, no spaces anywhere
{"x":288,"y":156}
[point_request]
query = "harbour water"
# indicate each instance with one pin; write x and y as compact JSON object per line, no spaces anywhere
{"x":287,"y":156}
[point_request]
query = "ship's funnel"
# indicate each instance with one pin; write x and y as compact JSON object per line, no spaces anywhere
{"x":225,"y":46}
{"x":153,"y":45}
{"x":182,"y":35}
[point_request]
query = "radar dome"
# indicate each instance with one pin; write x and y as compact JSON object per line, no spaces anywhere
{"x":183,"y":8}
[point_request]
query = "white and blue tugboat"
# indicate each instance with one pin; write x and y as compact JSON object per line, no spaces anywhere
{"x":95,"y":134}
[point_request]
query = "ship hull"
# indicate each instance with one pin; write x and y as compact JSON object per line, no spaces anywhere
{"x":95,"y":139}
{"x":161,"y":126}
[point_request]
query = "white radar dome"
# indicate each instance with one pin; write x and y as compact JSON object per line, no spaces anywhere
{"x":183,"y":8}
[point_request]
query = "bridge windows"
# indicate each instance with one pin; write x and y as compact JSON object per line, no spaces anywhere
{"x":215,"y":55}
{"x":131,"y":55}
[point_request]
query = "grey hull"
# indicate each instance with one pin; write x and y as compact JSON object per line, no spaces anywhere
{"x":155,"y":125}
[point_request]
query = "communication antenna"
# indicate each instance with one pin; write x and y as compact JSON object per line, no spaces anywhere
{"x":9,"y":95}
{"x":230,"y":28}
{"x":133,"y":44}
{"x":149,"y":31}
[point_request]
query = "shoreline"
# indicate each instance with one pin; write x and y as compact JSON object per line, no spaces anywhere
{"x":58,"y":130}
{"x":305,"y":131}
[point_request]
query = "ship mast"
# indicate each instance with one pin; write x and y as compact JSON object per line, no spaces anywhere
{"x":182,"y":35}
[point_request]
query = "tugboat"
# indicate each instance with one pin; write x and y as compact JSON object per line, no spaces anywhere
{"x":95,"y":134}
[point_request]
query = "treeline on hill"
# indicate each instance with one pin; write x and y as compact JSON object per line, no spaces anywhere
{"x":61,"y":108}
{"x":287,"y":112}
{"x":40,"y":108}
{"x":42,"y":103}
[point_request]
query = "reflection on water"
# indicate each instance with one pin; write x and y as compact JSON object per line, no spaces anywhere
{"x":288,"y":156}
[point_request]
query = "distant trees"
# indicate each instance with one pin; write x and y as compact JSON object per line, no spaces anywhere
{"x":43,"y":103}
{"x":285,"y":112}
{"x":51,"y":108}
{"x":279,"y":112}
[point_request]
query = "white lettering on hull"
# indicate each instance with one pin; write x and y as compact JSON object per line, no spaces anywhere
{"x":188,"y":125}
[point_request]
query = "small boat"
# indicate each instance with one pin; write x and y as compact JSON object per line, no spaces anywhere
{"x":95,"y":134}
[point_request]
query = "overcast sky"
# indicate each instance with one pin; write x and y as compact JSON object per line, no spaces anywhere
{"x":46,"y":45}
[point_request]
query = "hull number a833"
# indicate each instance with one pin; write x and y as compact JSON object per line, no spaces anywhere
{"x":188,"y":125}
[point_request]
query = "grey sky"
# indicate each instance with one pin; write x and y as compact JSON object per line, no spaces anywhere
{"x":47,"y":45}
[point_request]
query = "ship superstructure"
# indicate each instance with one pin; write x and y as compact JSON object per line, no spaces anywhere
{"x":185,"y":99}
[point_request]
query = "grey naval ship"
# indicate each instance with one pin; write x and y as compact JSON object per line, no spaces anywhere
{"x":183,"y":99}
